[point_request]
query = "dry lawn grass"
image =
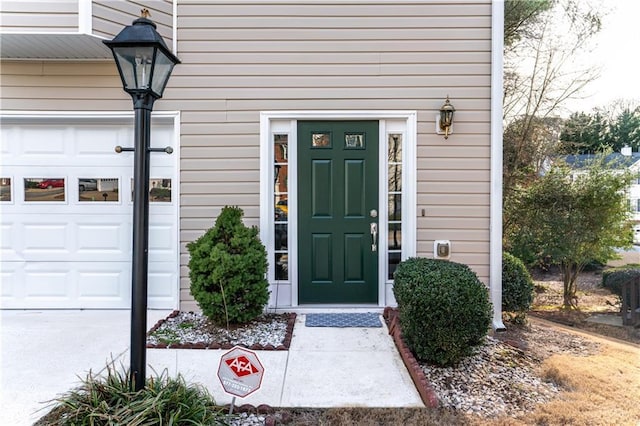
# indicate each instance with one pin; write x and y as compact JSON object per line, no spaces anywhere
{"x":602,"y":389}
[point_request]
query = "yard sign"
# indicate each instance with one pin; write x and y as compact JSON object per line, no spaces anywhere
{"x":240,"y":372}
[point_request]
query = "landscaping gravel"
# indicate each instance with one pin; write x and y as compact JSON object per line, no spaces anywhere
{"x":497,"y":379}
{"x":189,"y":328}
{"x":246,"y":419}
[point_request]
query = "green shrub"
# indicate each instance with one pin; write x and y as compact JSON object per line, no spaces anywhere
{"x":227,"y":270}
{"x":444,"y":309}
{"x":110,"y":401}
{"x":517,"y":286}
{"x":613,"y":278}
{"x":160,"y":193}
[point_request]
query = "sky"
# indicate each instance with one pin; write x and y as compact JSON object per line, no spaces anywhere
{"x":616,"y":52}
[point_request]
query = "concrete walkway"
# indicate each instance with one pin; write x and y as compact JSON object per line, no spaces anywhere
{"x":44,"y":353}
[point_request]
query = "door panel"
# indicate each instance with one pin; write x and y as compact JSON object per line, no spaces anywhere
{"x":354,"y":188}
{"x":337,"y":188}
{"x":321,"y":255}
{"x":321,"y":188}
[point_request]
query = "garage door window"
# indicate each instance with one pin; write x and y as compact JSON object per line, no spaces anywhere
{"x":44,"y":189}
{"x":99,"y":190}
{"x":159,"y":190}
{"x":5,"y":189}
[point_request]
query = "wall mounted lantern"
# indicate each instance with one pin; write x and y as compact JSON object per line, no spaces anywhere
{"x":145,"y":64}
{"x":445,"y":120}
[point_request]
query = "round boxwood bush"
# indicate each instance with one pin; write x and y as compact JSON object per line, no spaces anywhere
{"x":614,"y":278}
{"x":444,"y":309}
{"x":517,"y":285}
{"x":227,"y":270}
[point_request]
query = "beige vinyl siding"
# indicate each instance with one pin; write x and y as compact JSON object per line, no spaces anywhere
{"x":110,"y":16}
{"x":39,"y":16}
{"x":240,"y":58}
{"x":62,"y":86}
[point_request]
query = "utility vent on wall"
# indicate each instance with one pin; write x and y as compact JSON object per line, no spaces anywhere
{"x":442,"y":249}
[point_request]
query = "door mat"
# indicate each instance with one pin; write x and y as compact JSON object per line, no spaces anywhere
{"x":368,"y":319}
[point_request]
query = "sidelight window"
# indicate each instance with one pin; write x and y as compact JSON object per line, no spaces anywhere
{"x":394,"y":197}
{"x":281,"y":207}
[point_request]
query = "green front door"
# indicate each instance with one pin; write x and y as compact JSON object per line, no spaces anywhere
{"x":337,"y":209}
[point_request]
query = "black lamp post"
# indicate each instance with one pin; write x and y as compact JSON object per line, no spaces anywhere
{"x":145,"y":64}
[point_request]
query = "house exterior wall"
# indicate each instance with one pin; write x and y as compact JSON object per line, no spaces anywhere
{"x":241,"y":58}
{"x":108,"y":17}
{"x":63,"y":16}
{"x":39,"y":16}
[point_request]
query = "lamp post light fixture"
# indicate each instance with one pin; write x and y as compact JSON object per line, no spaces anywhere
{"x":446,"y":117}
{"x":145,"y":64}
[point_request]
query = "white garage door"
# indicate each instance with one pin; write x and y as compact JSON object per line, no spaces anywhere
{"x":67,"y":214}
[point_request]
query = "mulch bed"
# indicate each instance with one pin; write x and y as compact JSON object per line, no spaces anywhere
{"x":216,"y":345}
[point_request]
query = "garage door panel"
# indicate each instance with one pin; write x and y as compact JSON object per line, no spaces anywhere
{"x":76,"y":252}
{"x":162,"y":242}
{"x":105,"y":241}
{"x":10,"y":274}
{"x":102,"y":142}
{"x":8,"y":241}
{"x":48,"y":281}
{"x":44,"y":240}
{"x":101,"y":284}
{"x":39,"y":141}
{"x":162,"y":285}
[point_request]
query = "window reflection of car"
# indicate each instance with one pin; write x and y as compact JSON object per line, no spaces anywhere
{"x":283,"y":205}
{"x":280,"y":215}
{"x":87,"y":185}
{"x":51,"y":183}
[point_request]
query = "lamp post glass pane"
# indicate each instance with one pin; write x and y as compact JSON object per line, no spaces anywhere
{"x":135,"y":65}
{"x":161,"y":73}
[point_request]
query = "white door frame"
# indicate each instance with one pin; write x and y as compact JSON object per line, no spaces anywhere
{"x":285,"y":294}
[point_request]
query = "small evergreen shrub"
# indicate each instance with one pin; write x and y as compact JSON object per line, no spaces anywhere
{"x":227,"y":269}
{"x":517,"y":286}
{"x":444,"y":309}
{"x":613,"y":278}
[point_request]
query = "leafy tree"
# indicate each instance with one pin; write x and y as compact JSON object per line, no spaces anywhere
{"x":520,"y":16}
{"x":528,"y":142}
{"x":540,"y":71}
{"x":572,"y":218}
{"x":540,"y":74}
{"x":583,"y":134}
{"x":590,"y":133}
{"x":625,"y":130}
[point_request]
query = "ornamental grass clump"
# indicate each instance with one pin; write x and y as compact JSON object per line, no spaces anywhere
{"x":110,"y":401}
{"x":444,"y":310}
{"x":227,"y":269}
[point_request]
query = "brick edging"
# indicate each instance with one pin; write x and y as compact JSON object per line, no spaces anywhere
{"x":426,"y":391}
{"x":256,"y":347}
